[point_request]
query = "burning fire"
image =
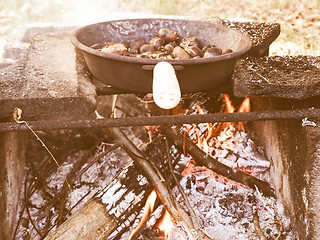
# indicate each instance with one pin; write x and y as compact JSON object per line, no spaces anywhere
{"x":226,"y":130}
{"x":148,"y":209}
{"x":229,"y":107}
{"x":244,"y":107}
{"x":221,"y":131}
{"x":165,"y":225}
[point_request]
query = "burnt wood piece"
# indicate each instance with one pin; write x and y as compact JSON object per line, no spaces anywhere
{"x":109,"y":211}
{"x":206,"y":160}
{"x":119,"y":204}
{"x":13,"y":147}
{"x":163,"y":120}
{"x":261,"y":34}
{"x":293,"y":77}
{"x":91,"y":222}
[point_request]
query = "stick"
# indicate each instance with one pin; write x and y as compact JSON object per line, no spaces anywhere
{"x":17,"y":116}
{"x":204,"y":159}
{"x":257,"y":226}
{"x":179,"y":216}
{"x":190,"y":209}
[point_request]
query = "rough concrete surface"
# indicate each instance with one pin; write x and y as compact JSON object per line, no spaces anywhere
{"x":19,"y":40}
{"x":49,"y":80}
{"x":12,"y":161}
{"x":295,"y":77}
{"x":294,"y":152}
{"x":261,"y":34}
{"x":312,"y":192}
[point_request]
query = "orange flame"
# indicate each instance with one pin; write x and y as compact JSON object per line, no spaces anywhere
{"x":244,"y":107}
{"x":165,"y":225}
{"x":229,"y":108}
{"x":148,"y":209}
{"x":222,"y":131}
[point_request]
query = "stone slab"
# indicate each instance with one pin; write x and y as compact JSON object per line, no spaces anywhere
{"x":19,"y":39}
{"x":293,"y":77}
{"x":51,"y":79}
{"x":262,"y":34}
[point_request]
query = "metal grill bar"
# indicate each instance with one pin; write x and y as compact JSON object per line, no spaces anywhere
{"x":162,"y":120}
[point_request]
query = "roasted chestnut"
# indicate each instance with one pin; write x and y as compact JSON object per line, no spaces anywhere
{"x":134,"y":50}
{"x":145,"y":55}
{"x":163,"y":32}
{"x":207,"y":46}
{"x":180,"y":53}
{"x":157,"y":42}
{"x":189,"y":42}
{"x":136,"y":43}
{"x":147,"y":48}
{"x":226,"y":51}
{"x":193,"y":51}
{"x":108,"y":44}
{"x":164,"y":46}
{"x":212,"y":52}
{"x":160,"y":55}
{"x":117,"y":48}
{"x":168,"y":35}
{"x":168,"y":48}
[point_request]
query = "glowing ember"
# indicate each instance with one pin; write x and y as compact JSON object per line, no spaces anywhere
{"x":188,"y":169}
{"x":166,"y":224}
{"x":206,"y":135}
{"x":226,"y":133}
{"x":148,"y":209}
{"x":226,"y":129}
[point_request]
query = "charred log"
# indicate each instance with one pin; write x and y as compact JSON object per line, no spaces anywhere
{"x":204,"y":159}
{"x":109,"y":211}
{"x":121,"y":201}
{"x":91,"y":222}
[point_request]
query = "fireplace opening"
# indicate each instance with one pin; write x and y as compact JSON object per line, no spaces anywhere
{"x":98,"y":169}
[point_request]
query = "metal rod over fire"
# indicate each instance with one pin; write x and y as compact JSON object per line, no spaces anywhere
{"x":163,"y":120}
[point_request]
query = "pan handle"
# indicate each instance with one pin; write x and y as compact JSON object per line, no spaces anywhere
{"x":151,"y":67}
{"x":165,"y":87}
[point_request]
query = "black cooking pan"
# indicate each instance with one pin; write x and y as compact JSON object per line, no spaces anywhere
{"x":135,"y":74}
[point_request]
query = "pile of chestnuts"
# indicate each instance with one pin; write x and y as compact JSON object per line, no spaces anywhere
{"x":165,"y":45}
